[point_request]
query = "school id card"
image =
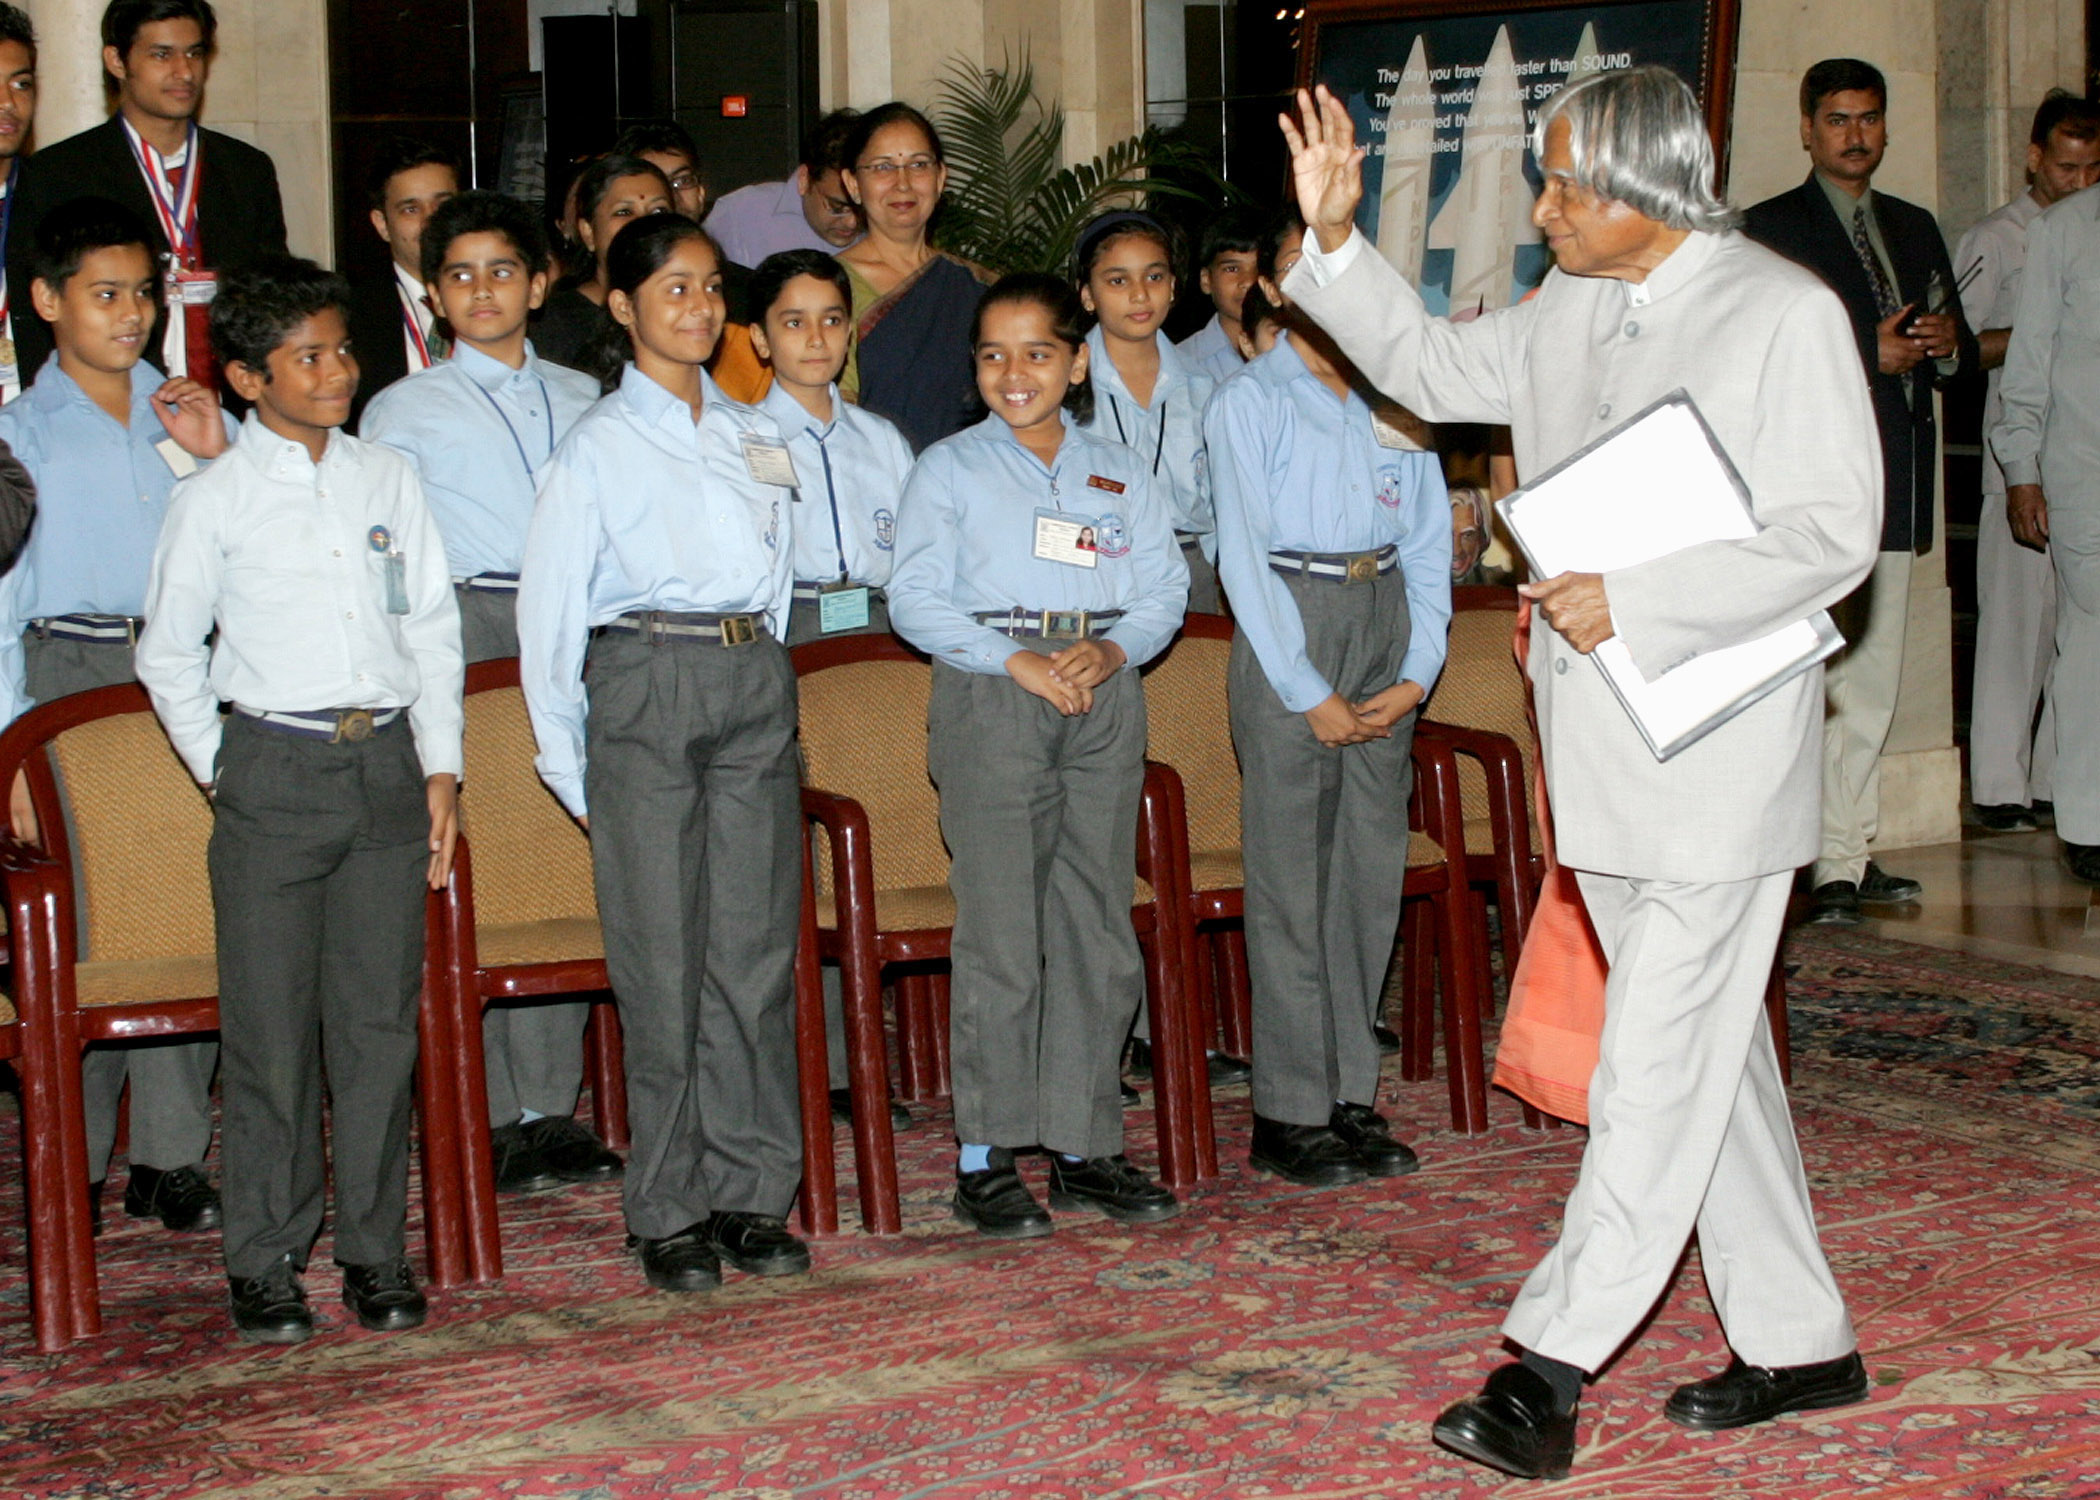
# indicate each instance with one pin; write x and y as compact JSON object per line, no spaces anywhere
{"x":769,"y":462}
{"x":1063,"y":537}
{"x":843,"y":606}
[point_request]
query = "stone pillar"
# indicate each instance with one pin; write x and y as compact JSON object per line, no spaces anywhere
{"x":68,"y":67}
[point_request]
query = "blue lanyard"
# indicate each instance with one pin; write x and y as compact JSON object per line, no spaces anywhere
{"x":1115,"y":409}
{"x":838,"y":535}
{"x":531,"y":477}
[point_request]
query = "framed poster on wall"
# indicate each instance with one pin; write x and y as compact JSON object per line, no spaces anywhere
{"x":1444,"y":92}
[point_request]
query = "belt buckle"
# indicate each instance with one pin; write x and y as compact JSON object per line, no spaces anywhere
{"x":352,"y":727}
{"x":1362,"y":568}
{"x":737,"y":630}
{"x":1060,"y":623}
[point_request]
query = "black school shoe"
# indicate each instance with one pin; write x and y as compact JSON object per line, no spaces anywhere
{"x":1366,"y":1132}
{"x":1309,"y":1155}
{"x":996,"y":1203}
{"x":271,"y":1308}
{"x":520,"y":1168}
{"x":1110,"y":1185}
{"x":681,"y":1262}
{"x":1512,"y":1426}
{"x":384,"y":1296}
{"x":1879,"y":888}
{"x":1834,"y":903}
{"x":2005,"y":817}
{"x":570,"y":1149}
{"x":1742,"y":1395}
{"x":757,"y":1244}
{"x":182,"y":1198}
{"x":2083,"y":861}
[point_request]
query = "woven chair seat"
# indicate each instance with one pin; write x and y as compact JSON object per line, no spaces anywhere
{"x":552,"y":940}
{"x":921,"y":908}
{"x":7,"y":1011}
{"x":139,"y":981}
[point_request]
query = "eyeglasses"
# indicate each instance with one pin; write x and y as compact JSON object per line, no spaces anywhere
{"x":883,"y":171}
{"x":685,"y":182}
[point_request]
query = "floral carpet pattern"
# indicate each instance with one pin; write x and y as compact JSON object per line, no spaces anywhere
{"x":1272,"y":1341}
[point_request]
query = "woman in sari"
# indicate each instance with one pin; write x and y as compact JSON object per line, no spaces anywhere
{"x":912,"y":304}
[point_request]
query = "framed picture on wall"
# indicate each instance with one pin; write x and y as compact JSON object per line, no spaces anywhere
{"x":1444,"y":93}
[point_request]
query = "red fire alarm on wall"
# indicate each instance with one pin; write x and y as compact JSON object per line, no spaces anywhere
{"x":735,"y":106}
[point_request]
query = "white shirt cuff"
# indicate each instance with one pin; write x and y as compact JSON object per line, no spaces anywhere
{"x":1323,"y":267}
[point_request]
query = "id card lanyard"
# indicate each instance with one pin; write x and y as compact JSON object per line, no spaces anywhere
{"x":414,"y":327}
{"x":531,"y":475}
{"x":831,"y":493}
{"x":188,"y":345}
{"x":1115,"y":409}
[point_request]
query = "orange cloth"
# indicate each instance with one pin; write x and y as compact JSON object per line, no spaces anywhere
{"x":1555,"y":1017}
{"x":738,"y":370}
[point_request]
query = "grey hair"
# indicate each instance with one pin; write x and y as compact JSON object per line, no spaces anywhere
{"x":1636,"y":135}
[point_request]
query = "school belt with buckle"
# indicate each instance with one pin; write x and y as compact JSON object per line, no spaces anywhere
{"x":490,"y":583}
{"x":338,"y":726}
{"x":1339,"y":567}
{"x":1050,"y":624}
{"x":811,"y":592}
{"x":658,"y":626}
{"x":103,"y":629}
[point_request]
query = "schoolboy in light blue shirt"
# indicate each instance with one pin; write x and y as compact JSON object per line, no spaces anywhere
{"x":106,"y":436}
{"x":481,"y":427}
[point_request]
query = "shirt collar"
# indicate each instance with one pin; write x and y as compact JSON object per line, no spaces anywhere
{"x":410,"y":284}
{"x":794,"y":417}
{"x":996,"y":429}
{"x":655,"y":406}
{"x":54,"y":388}
{"x":492,"y":374}
{"x":278,"y":457}
{"x":1173,"y":372}
{"x":1842,"y":203}
{"x":1682,"y":264}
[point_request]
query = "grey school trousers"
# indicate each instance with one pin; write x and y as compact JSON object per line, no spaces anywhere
{"x":318,"y":855}
{"x":696,"y":836}
{"x":533,"y":1052}
{"x":1323,"y":835}
{"x":1040,"y":813}
{"x":170,"y":1081}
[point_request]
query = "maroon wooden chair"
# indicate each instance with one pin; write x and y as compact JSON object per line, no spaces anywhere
{"x":883,"y":904}
{"x":1186,"y":701}
{"x":137,"y":961}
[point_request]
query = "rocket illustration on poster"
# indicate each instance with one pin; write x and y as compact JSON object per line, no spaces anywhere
{"x":1445,"y":106}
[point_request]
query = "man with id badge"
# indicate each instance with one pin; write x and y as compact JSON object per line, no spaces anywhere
{"x":106,"y":437}
{"x":211,"y":201}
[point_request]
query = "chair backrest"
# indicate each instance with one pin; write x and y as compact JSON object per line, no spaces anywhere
{"x":531,"y":862}
{"x":1482,"y":687}
{"x":135,"y":830}
{"x":1190,"y":731}
{"x":864,"y":737}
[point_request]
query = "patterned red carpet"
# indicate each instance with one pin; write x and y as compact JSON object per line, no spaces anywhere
{"x":1271,"y":1342}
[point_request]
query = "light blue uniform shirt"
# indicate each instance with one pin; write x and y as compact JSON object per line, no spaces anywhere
{"x":1168,"y":435}
{"x":1293,"y":469}
{"x":966,"y":545}
{"x":102,"y":492}
{"x":479,"y":433}
{"x":642,"y":508}
{"x":1210,"y":349}
{"x":852,"y":473}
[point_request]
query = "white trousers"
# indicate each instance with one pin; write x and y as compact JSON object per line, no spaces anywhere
{"x":1859,"y":690}
{"x":2011,"y":756}
{"x":2074,"y":548}
{"x":1689,"y":1129}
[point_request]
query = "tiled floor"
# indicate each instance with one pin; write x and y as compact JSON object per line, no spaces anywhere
{"x":2001,"y":895}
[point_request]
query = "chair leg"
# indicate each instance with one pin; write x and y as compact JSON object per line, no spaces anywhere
{"x":868,"y":1077}
{"x":1464,"y":1056}
{"x":1172,"y":1099}
{"x":1776,"y":1017}
{"x":915,"y":1036}
{"x":939,"y":1017}
{"x":1201,"y":979}
{"x":1238,"y":1006}
{"x":76,"y":1239}
{"x":48,"y":1189}
{"x":607,"y":1062}
{"x":477,"y":1166}
{"x":820,"y":1188}
{"x":1417,"y":1026}
{"x":437,"y":1101}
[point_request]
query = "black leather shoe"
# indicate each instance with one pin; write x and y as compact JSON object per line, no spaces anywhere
{"x":2044,"y":812}
{"x":384,"y":1296}
{"x":681,"y":1262}
{"x":1309,"y":1155}
{"x":1835,"y":903}
{"x":757,"y":1244}
{"x":1226,"y":1071}
{"x":1388,"y":1039}
{"x":1128,"y":1095}
{"x":842,"y":1110}
{"x":1366,"y":1132}
{"x":1879,"y":888}
{"x":1111,"y":1185}
{"x":1137,"y":1058}
{"x":995,"y":1202}
{"x":2005,"y":817}
{"x":519,"y":1168}
{"x":2083,"y":861}
{"x":571,"y":1150}
{"x":182,"y":1198}
{"x":1745,"y":1394}
{"x":1511,"y":1426}
{"x":271,"y":1308}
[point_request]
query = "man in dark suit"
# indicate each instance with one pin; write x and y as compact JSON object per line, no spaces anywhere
{"x":1887,"y":262}
{"x":393,"y":317}
{"x":210,"y":201}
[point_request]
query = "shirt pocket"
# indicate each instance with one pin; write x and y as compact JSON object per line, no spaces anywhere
{"x":2082,"y":306}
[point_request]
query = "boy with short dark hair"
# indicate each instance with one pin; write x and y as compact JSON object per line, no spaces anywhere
{"x":1228,"y":263}
{"x":335,"y":786}
{"x":106,"y":435}
{"x":393,"y":318}
{"x":479,"y":429}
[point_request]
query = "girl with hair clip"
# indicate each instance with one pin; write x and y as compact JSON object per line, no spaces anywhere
{"x":659,"y":556}
{"x":1146,"y":394}
{"x":1036,"y":739}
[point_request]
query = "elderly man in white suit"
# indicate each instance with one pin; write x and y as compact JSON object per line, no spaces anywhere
{"x":1684,"y":865}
